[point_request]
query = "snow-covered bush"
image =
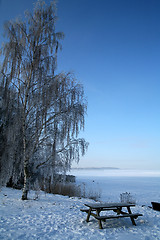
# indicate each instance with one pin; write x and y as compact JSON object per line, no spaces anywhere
{"x":127,"y":198}
{"x":92,"y":191}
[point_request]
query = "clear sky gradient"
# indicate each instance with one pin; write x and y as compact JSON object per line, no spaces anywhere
{"x":113,"y":47}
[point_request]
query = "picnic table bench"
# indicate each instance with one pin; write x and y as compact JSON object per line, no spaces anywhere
{"x":95,"y":209}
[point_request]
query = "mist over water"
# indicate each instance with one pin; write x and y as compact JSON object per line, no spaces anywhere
{"x":115,"y":172}
{"x":143,"y":185}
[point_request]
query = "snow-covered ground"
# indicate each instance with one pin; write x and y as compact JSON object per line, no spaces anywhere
{"x":59,"y":217}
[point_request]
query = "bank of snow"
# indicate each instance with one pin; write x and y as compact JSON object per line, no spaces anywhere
{"x":59,"y":217}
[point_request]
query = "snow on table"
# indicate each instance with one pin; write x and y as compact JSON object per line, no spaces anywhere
{"x":59,"y":217}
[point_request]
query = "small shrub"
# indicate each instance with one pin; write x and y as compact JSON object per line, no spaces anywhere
{"x":37,"y":194}
{"x":127,"y":198}
{"x":92,"y":191}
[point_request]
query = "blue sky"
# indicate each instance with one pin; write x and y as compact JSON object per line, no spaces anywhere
{"x":113,"y":47}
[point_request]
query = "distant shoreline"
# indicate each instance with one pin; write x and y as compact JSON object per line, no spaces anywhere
{"x":114,"y":172}
{"x":96,"y":168}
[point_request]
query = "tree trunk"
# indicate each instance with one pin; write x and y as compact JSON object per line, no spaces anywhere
{"x":26,"y":180}
{"x":26,"y":167}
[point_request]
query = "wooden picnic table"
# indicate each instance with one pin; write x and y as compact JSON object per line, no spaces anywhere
{"x":95,"y":209}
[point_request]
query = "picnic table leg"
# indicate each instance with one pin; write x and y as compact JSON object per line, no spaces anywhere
{"x":89,"y":214}
{"x":132,"y":219}
{"x":118,"y":210}
{"x":99,"y":221}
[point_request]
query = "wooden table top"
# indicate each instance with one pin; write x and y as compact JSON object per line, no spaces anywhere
{"x":108,"y":205}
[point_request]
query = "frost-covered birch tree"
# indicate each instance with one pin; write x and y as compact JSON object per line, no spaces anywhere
{"x":53,"y":105}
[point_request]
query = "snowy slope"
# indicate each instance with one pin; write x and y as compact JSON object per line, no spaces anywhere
{"x":59,"y":217}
